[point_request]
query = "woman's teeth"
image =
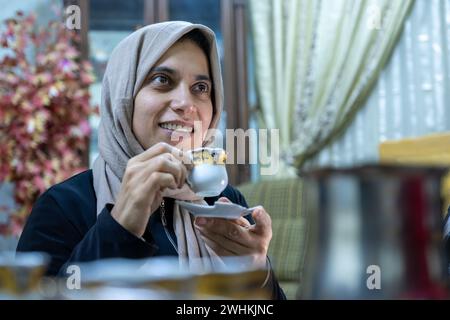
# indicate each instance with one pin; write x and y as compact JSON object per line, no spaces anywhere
{"x":176,"y":127}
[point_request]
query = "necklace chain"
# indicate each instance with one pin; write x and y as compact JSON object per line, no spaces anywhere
{"x":162,"y":208}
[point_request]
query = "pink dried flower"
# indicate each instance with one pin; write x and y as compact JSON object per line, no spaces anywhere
{"x":42,"y":99}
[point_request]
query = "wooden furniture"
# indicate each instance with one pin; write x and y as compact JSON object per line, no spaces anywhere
{"x":432,"y":149}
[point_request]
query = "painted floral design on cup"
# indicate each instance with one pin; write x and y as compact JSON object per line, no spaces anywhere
{"x":215,"y":156}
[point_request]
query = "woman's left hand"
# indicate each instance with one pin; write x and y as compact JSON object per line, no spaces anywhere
{"x":238,"y":237}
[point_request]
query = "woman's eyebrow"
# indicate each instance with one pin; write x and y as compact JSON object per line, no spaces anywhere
{"x":174,"y":73}
{"x":202,"y":77}
{"x":164,"y":69}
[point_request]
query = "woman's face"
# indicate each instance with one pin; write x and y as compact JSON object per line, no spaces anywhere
{"x":176,"y":93}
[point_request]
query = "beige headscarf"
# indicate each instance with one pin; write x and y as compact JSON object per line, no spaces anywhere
{"x":127,"y":68}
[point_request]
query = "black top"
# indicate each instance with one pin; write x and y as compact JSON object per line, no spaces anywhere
{"x":64,"y":224}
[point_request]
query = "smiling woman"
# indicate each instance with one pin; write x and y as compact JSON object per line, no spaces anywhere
{"x":175,"y":96}
{"x":160,"y":82}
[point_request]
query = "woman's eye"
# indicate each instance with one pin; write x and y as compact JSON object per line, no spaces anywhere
{"x":160,"y":79}
{"x":202,"y":88}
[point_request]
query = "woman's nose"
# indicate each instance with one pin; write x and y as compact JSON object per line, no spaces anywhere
{"x":182,"y":101}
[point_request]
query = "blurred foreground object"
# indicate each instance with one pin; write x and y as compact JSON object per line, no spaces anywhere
{"x":161,"y":278}
{"x":20,"y":274}
{"x":375,"y":232}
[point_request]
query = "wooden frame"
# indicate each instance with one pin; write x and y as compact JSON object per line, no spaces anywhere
{"x":234,"y":30}
{"x":83,"y":46}
{"x":156,"y":11}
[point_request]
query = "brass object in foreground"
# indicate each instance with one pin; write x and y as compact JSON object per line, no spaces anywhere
{"x":20,"y":273}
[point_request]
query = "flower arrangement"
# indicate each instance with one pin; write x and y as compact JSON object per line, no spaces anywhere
{"x":44,"y":111}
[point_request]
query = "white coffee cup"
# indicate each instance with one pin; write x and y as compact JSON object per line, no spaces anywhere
{"x":208,"y":178}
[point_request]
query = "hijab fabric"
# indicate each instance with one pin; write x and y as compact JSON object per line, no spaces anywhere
{"x":126,"y":71}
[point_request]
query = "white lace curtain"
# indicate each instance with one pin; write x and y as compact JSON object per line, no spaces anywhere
{"x":412,"y":95}
{"x":315,"y":62}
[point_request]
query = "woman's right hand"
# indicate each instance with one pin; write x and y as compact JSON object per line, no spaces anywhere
{"x":146,"y":176}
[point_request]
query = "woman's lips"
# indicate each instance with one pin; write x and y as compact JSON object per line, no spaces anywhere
{"x":177,"y":127}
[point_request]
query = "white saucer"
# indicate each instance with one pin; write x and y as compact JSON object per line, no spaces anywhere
{"x":225,"y":210}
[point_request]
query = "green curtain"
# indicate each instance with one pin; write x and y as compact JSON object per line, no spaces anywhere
{"x":316,"y":61}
